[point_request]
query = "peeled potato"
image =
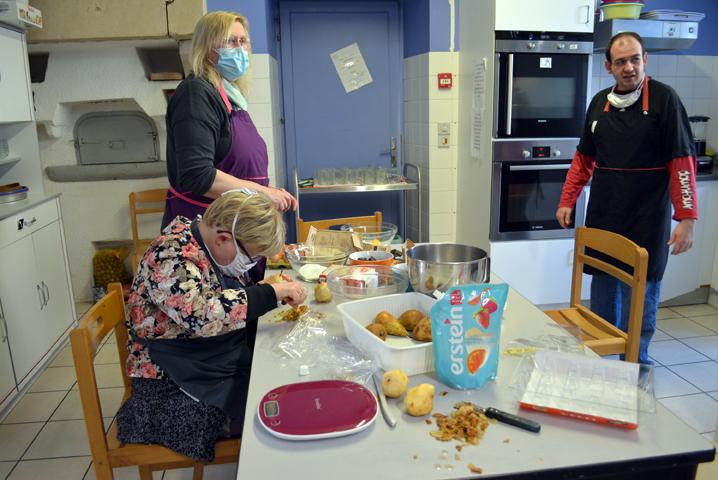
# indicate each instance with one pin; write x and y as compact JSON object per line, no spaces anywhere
{"x":419,"y":400}
{"x":378,"y":329}
{"x":384,"y":318}
{"x":394,"y":383}
{"x":422,"y":330}
{"x":410,"y":318}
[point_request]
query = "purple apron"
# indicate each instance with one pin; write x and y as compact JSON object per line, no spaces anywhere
{"x":246,"y":159}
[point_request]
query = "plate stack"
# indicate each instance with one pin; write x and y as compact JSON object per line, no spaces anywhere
{"x":12,"y":192}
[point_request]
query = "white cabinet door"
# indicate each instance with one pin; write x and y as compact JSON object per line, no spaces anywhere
{"x":22,"y":302}
{"x":15,"y":102}
{"x":51,"y":273}
{"x":7,"y":378}
{"x":543,"y":16}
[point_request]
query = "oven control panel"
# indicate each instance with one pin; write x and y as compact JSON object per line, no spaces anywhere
{"x":533,"y":150}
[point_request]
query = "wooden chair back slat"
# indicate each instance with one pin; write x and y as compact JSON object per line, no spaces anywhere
{"x":304,"y":226}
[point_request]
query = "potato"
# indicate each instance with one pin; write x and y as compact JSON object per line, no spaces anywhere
{"x":422,"y":330}
{"x":378,"y":329}
{"x":394,"y":383}
{"x":322,"y":294}
{"x":419,"y":400}
{"x":395,"y":328}
{"x":410,"y":318}
{"x":384,"y":318}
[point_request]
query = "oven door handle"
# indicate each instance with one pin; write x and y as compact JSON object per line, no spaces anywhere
{"x":509,"y":92}
{"x":553,"y":166}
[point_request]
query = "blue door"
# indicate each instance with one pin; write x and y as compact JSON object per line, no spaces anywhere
{"x":324,"y":125}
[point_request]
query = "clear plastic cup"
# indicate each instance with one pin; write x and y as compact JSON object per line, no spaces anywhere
{"x":325,"y":176}
{"x":381,"y":176}
{"x":369,"y":176}
{"x":340,"y":176}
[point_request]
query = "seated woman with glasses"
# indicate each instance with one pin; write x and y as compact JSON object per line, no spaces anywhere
{"x":189,"y":308}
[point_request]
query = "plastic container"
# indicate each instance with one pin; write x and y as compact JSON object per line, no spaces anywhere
{"x":412,"y":356}
{"x":621,"y":10}
{"x":373,"y":235}
{"x":371,"y":257}
{"x":310,"y":262}
{"x":367,"y":281}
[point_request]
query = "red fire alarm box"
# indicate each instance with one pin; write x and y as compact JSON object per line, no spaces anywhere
{"x":444,"y":80}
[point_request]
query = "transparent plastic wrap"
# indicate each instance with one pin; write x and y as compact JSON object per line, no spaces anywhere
{"x":610,"y":392}
{"x":320,"y":356}
{"x":555,"y":342}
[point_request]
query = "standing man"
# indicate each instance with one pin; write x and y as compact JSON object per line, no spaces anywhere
{"x":638,"y":148}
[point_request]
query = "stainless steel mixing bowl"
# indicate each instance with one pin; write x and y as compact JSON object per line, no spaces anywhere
{"x":438,"y":266}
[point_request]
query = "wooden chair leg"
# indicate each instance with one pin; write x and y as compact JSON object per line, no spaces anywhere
{"x":145,"y":472}
{"x":103,"y":471}
{"x":198,"y":471}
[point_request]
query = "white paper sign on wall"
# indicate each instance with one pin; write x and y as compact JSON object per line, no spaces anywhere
{"x":351,"y":67}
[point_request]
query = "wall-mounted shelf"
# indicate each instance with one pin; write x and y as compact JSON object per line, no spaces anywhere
{"x":9,"y":160}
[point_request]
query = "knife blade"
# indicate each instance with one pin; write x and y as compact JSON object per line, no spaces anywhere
{"x":504,"y":417}
{"x":390,"y":420}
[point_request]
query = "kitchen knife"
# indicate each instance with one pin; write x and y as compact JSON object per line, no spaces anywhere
{"x":504,"y":417}
{"x":390,"y":420}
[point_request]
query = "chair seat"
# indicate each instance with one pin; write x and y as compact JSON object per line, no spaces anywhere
{"x":132,"y":454}
{"x":596,"y":333}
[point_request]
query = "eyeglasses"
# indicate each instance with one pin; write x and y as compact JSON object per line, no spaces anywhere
{"x":241,"y":247}
{"x":235,"y":42}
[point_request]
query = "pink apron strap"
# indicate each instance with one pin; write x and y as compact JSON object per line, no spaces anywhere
{"x":223,"y":94}
{"x":186,"y":198}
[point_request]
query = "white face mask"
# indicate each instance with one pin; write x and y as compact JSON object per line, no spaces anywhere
{"x":624,"y":100}
{"x":241,"y":264}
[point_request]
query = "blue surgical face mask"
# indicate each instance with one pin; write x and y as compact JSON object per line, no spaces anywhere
{"x":232,"y":63}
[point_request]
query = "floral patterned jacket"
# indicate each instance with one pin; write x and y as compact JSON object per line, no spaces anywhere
{"x":176,"y":294}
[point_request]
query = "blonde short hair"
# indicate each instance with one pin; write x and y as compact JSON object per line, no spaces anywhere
{"x":211,"y":30}
{"x":258,"y":223}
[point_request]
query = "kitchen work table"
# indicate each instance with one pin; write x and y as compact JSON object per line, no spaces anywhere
{"x":662,"y":446}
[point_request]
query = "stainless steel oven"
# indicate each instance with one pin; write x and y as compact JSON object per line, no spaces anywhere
{"x":527,"y":179}
{"x":541,"y":84}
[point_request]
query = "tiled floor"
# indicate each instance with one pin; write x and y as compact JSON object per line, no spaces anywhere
{"x":44,"y":435}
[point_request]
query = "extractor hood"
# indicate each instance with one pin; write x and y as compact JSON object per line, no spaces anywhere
{"x":658,"y":35}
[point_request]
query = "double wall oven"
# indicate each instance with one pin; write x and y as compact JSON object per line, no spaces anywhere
{"x":541,"y":88}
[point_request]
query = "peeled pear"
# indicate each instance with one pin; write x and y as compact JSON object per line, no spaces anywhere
{"x":322,"y":294}
{"x":394,"y":383}
{"x":419,"y":400}
{"x":275,"y":279}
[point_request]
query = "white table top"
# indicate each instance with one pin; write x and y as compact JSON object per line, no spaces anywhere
{"x":408,"y":451}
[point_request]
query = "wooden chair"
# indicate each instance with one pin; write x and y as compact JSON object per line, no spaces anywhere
{"x":303,"y":227}
{"x":107,"y":452}
{"x":598,"y":334}
{"x":139,"y":206}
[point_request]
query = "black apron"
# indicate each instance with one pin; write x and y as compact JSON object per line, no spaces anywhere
{"x":629,"y":189}
{"x":214,"y":370}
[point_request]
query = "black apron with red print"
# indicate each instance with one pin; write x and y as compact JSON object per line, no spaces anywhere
{"x":630,"y":185}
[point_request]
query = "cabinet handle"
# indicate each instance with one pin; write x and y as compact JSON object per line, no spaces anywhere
{"x":3,"y":325}
{"x":29,"y":223}
{"x":588,"y":14}
{"x":39,"y":296}
{"x":46,"y":292}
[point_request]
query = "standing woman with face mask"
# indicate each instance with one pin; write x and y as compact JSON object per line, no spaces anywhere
{"x":212,"y":144}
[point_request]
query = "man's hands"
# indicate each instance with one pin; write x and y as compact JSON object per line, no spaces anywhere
{"x":282,"y":199}
{"x":292,"y":293}
{"x":563,"y":215}
{"x":682,"y":236}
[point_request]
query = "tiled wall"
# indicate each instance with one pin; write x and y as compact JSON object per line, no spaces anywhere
{"x":694,"y":77}
{"x":425,"y":106}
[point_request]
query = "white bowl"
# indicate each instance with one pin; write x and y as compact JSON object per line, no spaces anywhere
{"x":412,"y":356}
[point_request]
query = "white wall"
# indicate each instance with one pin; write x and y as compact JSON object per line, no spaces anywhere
{"x":425,"y":106}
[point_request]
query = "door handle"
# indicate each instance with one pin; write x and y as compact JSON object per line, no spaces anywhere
{"x":46,"y":293}
{"x":553,"y":166}
{"x":509,"y":93}
{"x":392,"y":151}
{"x":40,"y":297}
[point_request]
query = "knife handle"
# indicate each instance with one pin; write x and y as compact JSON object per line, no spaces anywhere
{"x":514,"y":420}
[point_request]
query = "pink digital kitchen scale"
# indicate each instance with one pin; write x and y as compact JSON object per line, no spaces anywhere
{"x":318,"y":409}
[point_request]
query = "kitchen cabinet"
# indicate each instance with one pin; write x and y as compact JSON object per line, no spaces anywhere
{"x":34,"y":285}
{"x":7,"y":377}
{"x":554,"y":16}
{"x":82,"y":20}
{"x":14,"y":78}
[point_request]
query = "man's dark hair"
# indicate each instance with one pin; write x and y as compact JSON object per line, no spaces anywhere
{"x":621,"y":35}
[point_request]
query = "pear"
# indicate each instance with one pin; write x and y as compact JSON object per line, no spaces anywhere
{"x":378,"y":330}
{"x":419,"y":400}
{"x":385,"y":318}
{"x":322,"y":294}
{"x":395,"y":328}
{"x":275,"y":279}
{"x":394,"y":383}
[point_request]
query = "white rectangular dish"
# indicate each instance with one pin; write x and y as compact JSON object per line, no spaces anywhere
{"x":396,"y":352}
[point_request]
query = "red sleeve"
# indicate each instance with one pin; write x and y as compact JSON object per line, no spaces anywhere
{"x":576,"y":178}
{"x":682,"y":171}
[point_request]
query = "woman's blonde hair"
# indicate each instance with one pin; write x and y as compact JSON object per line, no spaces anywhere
{"x":258,"y":223}
{"x":213,"y":30}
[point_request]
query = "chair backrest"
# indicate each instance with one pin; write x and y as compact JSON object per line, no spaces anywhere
{"x":106,"y":315}
{"x":139,"y":206}
{"x":303,"y":227}
{"x":622,"y":249}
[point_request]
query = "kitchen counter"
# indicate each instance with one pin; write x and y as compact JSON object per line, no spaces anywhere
{"x":564,"y":448}
{"x":708,"y":176}
{"x":33,"y":198}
